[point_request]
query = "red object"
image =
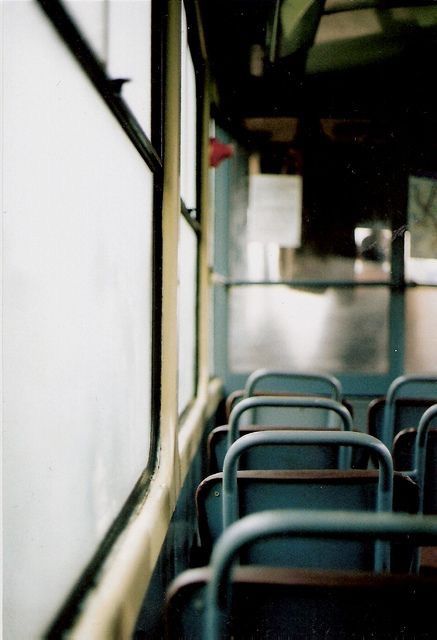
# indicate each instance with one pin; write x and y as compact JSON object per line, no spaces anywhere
{"x":218,"y":151}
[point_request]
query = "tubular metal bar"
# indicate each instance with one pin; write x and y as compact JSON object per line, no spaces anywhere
{"x":66,"y":28}
{"x":193,"y":222}
{"x":312,"y":438}
{"x":327,"y":379}
{"x":325,"y":284}
{"x":314,"y":284}
{"x":329,"y":524}
{"x":420,"y":451}
{"x":288,"y":401}
{"x":389,"y":409}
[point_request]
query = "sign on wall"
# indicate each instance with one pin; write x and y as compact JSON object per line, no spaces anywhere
{"x":275,"y":209}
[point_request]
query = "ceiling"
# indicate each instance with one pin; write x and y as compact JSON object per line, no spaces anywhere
{"x":278,"y":60}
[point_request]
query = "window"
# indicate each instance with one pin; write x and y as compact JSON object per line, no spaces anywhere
{"x":78,"y":309}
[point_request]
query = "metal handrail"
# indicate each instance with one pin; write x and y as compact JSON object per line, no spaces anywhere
{"x":329,"y":524}
{"x":287,"y":401}
{"x":311,"y":438}
{"x":327,"y":379}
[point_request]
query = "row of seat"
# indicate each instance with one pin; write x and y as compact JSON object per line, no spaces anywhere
{"x":406,"y":400}
{"x":279,"y":473}
{"x":223,"y":496}
{"x":393,"y":420}
{"x":416,"y":456}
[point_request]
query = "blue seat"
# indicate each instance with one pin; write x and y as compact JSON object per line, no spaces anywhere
{"x":270,"y":456}
{"x":265,"y":602}
{"x":288,"y":404}
{"x":268,"y":382}
{"x":415,"y":452}
{"x":222,"y":497}
{"x":407,"y":399}
{"x":291,"y":457}
{"x":291,"y":382}
{"x":263,"y":490}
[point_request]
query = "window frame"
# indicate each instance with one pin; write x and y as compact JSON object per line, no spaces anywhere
{"x":194,"y":216}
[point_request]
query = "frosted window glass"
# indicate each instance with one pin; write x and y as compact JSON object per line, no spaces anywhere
{"x":77,"y":319}
{"x":188,"y":123}
{"x":129,"y":54}
{"x":187,"y":294}
{"x":337,"y":330}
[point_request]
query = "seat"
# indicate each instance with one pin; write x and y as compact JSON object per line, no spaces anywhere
{"x":291,"y":457}
{"x":265,"y":602}
{"x":290,"y":382}
{"x":223,"y":497}
{"x":407,"y":414}
{"x":403,"y":459}
{"x":386,"y":417}
{"x":263,"y":490}
{"x":415,"y":452}
{"x":268,"y":382}
{"x":288,"y":403}
{"x":270,"y":456}
{"x":296,"y":604}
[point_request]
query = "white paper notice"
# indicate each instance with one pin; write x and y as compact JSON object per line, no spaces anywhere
{"x":275,"y":209}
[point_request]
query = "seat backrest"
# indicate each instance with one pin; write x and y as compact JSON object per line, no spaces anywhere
{"x":299,"y":604}
{"x":423,"y":463}
{"x":312,"y":439}
{"x":407,"y":414}
{"x":333,"y":525}
{"x":403,"y":459}
{"x":291,"y":382}
{"x":217,"y":446}
{"x":312,"y":490}
{"x":269,"y":382}
{"x":270,"y":456}
{"x":273,"y":382}
{"x":279,"y":404}
{"x":264,"y":602}
{"x":317,"y":490}
{"x":416,"y":386}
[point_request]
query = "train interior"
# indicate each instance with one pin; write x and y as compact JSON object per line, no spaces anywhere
{"x":280,"y":158}
{"x":331,"y":96}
